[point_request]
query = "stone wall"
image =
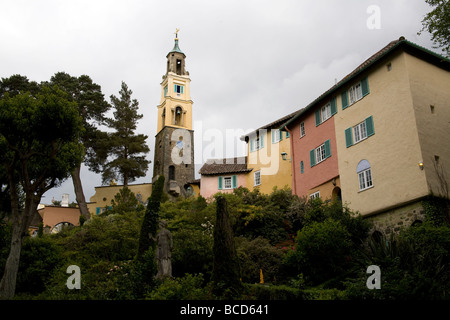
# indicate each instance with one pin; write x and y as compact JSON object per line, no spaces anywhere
{"x":394,"y":220}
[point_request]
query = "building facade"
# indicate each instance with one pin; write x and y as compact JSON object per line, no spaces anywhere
{"x":174,"y":141}
{"x":269,"y":156}
{"x":223,"y":175}
{"x":391,"y":126}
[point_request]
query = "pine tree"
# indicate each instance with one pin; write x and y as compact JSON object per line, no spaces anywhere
{"x":126,"y":148}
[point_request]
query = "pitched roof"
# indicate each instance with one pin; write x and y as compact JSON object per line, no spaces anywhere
{"x":406,"y":45}
{"x":227,"y":165}
{"x":273,"y":124}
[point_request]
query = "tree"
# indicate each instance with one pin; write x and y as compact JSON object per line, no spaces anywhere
{"x":149,"y":227}
{"x":91,"y":107}
{"x":437,"y":22}
{"x":39,"y":146}
{"x":226,"y":270}
{"x":127,"y":148}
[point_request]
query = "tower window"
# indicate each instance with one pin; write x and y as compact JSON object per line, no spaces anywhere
{"x":178,"y":89}
{"x":178,"y":116}
{"x":178,"y":66}
{"x":171,"y":173}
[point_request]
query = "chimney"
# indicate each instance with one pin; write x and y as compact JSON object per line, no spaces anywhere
{"x":65,"y":200}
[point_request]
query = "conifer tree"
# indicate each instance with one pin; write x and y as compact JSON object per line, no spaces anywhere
{"x":149,"y":227}
{"x":126,"y":148}
{"x":226,"y":270}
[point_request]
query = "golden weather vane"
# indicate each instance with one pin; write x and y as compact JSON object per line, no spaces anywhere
{"x":176,"y":33}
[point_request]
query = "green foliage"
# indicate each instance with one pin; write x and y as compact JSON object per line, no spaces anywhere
{"x":322,"y":250}
{"x":149,"y":226}
{"x":437,"y":22}
{"x":258,"y":254}
{"x":39,"y":257}
{"x":124,"y":201}
{"x":270,"y":292}
{"x":226,"y":270}
{"x":437,"y":210}
{"x":414,"y":265}
{"x":188,"y":287}
{"x":126,"y":148}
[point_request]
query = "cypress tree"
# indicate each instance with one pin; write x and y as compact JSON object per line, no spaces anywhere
{"x":226,"y":270}
{"x":149,"y":227}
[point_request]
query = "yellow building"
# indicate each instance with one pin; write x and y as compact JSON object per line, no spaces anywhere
{"x":391,"y":138}
{"x":103,"y":196}
{"x":269,"y":157}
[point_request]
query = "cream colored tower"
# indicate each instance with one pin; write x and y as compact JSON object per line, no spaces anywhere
{"x":175,"y":108}
{"x":174,"y":141}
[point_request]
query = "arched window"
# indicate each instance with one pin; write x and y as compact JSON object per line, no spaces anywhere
{"x":364,"y":172}
{"x":178,"y":116}
{"x":171,"y":173}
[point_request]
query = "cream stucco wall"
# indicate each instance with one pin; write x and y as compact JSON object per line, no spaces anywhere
{"x":393,"y":151}
{"x":104,"y":194}
{"x":275,"y":172}
{"x":170,"y":101}
{"x":430,"y":89}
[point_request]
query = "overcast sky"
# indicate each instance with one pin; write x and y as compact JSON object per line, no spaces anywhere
{"x":250,"y":61}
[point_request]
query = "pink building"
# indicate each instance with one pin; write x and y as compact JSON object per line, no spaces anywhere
{"x":314,"y":153}
{"x":223,"y":175}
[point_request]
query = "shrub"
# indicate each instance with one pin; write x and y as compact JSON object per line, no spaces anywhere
{"x":188,"y":287}
{"x":258,"y":254}
{"x":322,"y":250}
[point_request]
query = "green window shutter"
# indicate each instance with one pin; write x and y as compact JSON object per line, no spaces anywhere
{"x":327,"y":145}
{"x":365,"y":86}
{"x":317,"y":114}
{"x":281,"y":134}
{"x":175,"y":88}
{"x":333,"y":106}
{"x":348,"y":137}
{"x":182,"y":89}
{"x":312,"y":157}
{"x":273,"y":132}
{"x":220,"y":187}
{"x":369,"y":126}
{"x":344,"y":99}
{"x":287,"y":135}
{"x":97,"y":210}
{"x":302,"y":168}
{"x":234,"y":182}
{"x":251,"y":145}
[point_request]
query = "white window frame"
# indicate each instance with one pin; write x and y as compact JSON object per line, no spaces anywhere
{"x":355,"y":93}
{"x":320,"y":153}
{"x":257,"y":178}
{"x":360,"y":132}
{"x":325,"y":112}
{"x":225,"y":179}
{"x":302,"y":130}
{"x":276,"y":135}
{"x":314,"y":195}
{"x":365,"y":179}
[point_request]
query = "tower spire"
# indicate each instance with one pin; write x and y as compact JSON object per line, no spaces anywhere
{"x":176,"y":48}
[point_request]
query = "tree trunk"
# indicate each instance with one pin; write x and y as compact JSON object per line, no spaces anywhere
{"x":8,"y":283}
{"x":79,"y":194}
{"x":20,"y":226}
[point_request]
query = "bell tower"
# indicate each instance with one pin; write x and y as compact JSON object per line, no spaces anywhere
{"x":174,"y":141}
